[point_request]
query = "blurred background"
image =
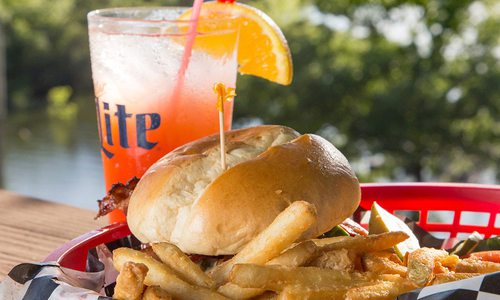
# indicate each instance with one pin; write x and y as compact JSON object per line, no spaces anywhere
{"x":408,"y":90}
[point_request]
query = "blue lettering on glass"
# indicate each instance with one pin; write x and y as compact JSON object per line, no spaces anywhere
{"x":109,"y":138}
{"x":107,"y":120}
{"x":141,"y":129}
{"x":122,"y":125}
{"x":121,"y":116}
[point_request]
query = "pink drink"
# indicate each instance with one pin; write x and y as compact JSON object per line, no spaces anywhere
{"x":136,"y":56}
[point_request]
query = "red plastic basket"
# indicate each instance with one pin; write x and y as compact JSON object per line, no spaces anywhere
{"x":423,"y":198}
{"x":428,"y":199}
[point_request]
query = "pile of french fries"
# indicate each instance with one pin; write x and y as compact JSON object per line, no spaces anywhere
{"x":273,"y":266}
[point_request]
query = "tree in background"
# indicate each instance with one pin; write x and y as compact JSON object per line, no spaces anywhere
{"x":47,"y":45}
{"x":409,"y":89}
{"x":406,"y":89}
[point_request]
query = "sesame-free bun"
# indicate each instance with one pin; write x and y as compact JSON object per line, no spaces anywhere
{"x":187,"y":199}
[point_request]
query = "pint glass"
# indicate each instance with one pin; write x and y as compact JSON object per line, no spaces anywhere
{"x":153,"y":75}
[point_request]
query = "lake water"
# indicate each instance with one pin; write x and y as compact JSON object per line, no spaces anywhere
{"x":53,"y":157}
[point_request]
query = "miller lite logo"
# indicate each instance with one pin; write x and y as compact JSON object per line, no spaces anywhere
{"x":112,"y":115}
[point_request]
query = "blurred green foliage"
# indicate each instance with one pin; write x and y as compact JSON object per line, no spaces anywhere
{"x":408,"y":90}
{"x":59,"y":105}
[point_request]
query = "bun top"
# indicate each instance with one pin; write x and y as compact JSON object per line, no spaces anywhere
{"x":187,"y":199}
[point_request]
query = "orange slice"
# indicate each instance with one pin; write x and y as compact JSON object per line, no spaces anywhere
{"x":262,"y":50}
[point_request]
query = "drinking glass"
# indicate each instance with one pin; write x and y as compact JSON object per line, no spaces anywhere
{"x":153,"y":72}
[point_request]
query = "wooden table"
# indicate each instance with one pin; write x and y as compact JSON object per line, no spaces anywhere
{"x":32,"y":228}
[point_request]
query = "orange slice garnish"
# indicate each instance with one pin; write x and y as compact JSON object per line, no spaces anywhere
{"x":262,"y":50}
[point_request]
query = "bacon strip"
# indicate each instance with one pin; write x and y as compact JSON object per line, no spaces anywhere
{"x":117,"y":198}
{"x":353,"y":228}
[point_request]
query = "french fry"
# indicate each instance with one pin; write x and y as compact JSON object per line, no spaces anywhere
{"x":474,"y":265}
{"x":329,"y":240}
{"x":382,"y":264}
{"x":296,"y":256}
{"x":130,"y":281}
{"x":182,"y":264}
{"x":161,"y":275}
{"x":156,"y":293}
{"x":449,"y":277}
{"x":341,"y":259}
{"x":280,"y":234}
{"x":445,"y":264}
{"x":386,"y":287}
{"x":421,"y":264}
{"x":234,"y":291}
{"x":450,"y":262}
{"x":370,"y":243}
{"x":384,"y":290}
{"x":389,"y":277}
{"x":276,"y":278}
{"x":297,"y":292}
{"x":390,"y":255}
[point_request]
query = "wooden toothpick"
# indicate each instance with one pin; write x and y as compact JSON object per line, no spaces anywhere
{"x":223,"y":94}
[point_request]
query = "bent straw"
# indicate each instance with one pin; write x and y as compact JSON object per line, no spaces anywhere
{"x":189,"y":46}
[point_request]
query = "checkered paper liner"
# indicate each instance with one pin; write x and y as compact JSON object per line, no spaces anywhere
{"x":50,"y":281}
{"x":484,"y":287}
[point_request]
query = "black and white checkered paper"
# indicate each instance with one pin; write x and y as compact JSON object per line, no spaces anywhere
{"x":486,"y":287}
{"x":49,"y":281}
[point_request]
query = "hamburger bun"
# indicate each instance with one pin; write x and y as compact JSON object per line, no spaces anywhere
{"x":187,"y":199}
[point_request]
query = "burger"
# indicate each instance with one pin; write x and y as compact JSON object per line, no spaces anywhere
{"x":187,"y":199}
